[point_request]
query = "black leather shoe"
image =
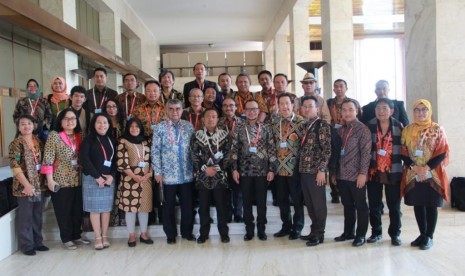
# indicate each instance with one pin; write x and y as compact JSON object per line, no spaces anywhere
{"x":262,"y":236}
{"x":225,"y":239}
{"x":202,"y":239}
{"x":359,"y":241}
{"x":306,"y":237}
{"x":396,"y":241}
{"x":238,"y":219}
{"x":294,"y":235}
{"x":171,"y":240}
{"x":281,"y":233}
{"x":248,"y":237}
{"x":335,"y":199}
{"x":417,"y":241}
{"x":42,"y":248}
{"x":427,"y":243}
{"x":132,"y":244}
{"x":31,"y":252}
{"x":344,"y":237}
{"x":146,"y":241}
{"x":189,"y":237}
{"x":374,"y":238}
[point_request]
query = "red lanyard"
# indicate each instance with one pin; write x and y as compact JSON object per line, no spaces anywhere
{"x":283,"y":139}
{"x":196,"y":120}
{"x":232,"y":127}
{"x":149,"y":115}
{"x":308,"y":129}
{"x":33,"y":151}
{"x":33,"y":109}
{"x":132,"y":105}
{"x":255,"y":142}
{"x":347,"y":137}
{"x":73,"y":145}
{"x":383,"y":143}
{"x":101,"y":101}
{"x":103,"y":149}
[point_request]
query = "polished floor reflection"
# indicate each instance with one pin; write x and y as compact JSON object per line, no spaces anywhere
{"x":277,"y":256}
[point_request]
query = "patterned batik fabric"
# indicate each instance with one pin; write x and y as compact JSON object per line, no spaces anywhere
{"x":315,"y":150}
{"x":42,"y":112}
{"x":204,"y":148}
{"x":150,"y":115}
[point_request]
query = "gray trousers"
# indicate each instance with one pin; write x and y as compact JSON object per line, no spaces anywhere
{"x":29,"y":223}
{"x":315,"y":200}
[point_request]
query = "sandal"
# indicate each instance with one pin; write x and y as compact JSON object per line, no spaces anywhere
{"x":98,"y":245}
{"x":106,"y":243}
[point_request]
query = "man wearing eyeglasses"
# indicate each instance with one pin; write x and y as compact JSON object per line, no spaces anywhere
{"x":382,"y":91}
{"x":254,"y":163}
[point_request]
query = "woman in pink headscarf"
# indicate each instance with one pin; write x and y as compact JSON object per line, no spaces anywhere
{"x":58,"y":100}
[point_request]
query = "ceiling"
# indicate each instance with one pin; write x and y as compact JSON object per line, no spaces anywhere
{"x":222,"y":25}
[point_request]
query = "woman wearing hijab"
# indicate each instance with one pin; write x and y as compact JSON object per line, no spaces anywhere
{"x":37,"y":107}
{"x":98,"y":160}
{"x":425,"y":184}
{"x":135,"y":188}
{"x":58,"y":100}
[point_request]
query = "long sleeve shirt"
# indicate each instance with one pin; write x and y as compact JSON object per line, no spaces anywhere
{"x":315,"y":150}
{"x":356,"y":145}
{"x":93,"y":154}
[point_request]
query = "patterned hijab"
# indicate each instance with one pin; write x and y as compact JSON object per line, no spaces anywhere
{"x":416,"y":127}
{"x":59,"y":96}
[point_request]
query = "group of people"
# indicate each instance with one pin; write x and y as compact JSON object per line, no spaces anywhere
{"x":110,"y":155}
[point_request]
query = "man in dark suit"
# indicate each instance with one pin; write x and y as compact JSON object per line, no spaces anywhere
{"x":200,"y":72}
{"x":382,"y":91}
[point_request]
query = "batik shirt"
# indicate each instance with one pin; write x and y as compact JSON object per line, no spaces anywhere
{"x":150,"y":115}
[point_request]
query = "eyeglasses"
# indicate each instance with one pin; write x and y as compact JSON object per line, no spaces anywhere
{"x":196,"y":97}
{"x":111,"y":106}
{"x":69,"y":119}
{"x":308,"y":106}
{"x":229,"y":105}
{"x":253,"y":109}
{"x":421,"y":110}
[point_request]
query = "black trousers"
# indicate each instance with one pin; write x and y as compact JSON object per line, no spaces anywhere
{"x":184,"y":191}
{"x":375,"y":203}
{"x":234,"y":198}
{"x":334,"y":188}
{"x":426,"y":217}
{"x":290,"y":186}
{"x":355,"y":207}
{"x":254,"y":187}
{"x":67,"y":203}
{"x":205,"y":197}
{"x":315,"y":200}
{"x":30,"y":223}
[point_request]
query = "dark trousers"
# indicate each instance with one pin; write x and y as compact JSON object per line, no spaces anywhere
{"x":254,"y":187}
{"x":290,"y":186}
{"x":315,"y":200}
{"x":426,"y":217}
{"x":184,"y":191}
{"x":375,"y":202}
{"x":355,"y":207}
{"x":206,"y":196}
{"x":334,"y":188}
{"x":67,"y":203}
{"x":29,"y":223}
{"x":234,"y":198}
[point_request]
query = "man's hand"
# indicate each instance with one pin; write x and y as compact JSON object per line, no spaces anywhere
{"x":361,"y":181}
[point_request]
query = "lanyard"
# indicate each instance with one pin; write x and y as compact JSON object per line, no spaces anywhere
{"x":149,"y":115}
{"x":171,"y":134}
{"x":103,"y":98}
{"x":255,"y":142}
{"x":240,"y":101}
{"x":347,"y":137}
{"x":196,"y":119}
{"x":132,"y":104}
{"x":208,"y":140}
{"x":383,"y":143}
{"x":141,"y":159}
{"x":308,"y":129}
{"x":232,"y":127}
{"x":34,"y":153}
{"x":33,"y":109}
{"x":283,"y":139}
{"x":73,"y":145}
{"x":103,"y":149}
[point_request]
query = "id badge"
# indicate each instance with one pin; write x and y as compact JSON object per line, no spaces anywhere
{"x":382,"y":152}
{"x":98,"y":111}
{"x":429,"y":175}
{"x":128,"y":118}
{"x":74,"y":162}
{"x":337,"y":126}
{"x":38,"y":167}
{"x":107,"y":163}
{"x":141,"y":164}
{"x":343,"y":152}
{"x":218,"y":155}
{"x":175,"y":148}
{"x":418,"y":153}
{"x":283,"y":145}
{"x":253,"y":149}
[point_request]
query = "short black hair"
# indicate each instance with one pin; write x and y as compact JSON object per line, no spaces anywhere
{"x":61,"y":116}
{"x":349,"y":100}
{"x":129,"y":74}
{"x":387,"y":101}
{"x":244,"y":74}
{"x":199,"y":63}
{"x":165,"y":72}
{"x":78,"y":89}
{"x":92,"y":130}
{"x":151,"y":81}
{"x":224,"y":74}
{"x":265,"y":72}
{"x":306,"y":98}
{"x":210,"y":109}
{"x":25,"y":116}
{"x":340,"y":80}
{"x":285,"y":94}
{"x":281,"y":75}
{"x":100,"y":69}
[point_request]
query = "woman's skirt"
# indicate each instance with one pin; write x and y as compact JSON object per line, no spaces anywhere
{"x":96,"y":199}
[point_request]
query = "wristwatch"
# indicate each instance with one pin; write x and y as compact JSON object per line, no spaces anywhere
{"x":323,"y":170}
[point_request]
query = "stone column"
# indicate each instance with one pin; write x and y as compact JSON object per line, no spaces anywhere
{"x":281,"y":49}
{"x":269,"y":58}
{"x":300,"y":42}
{"x":110,"y":37}
{"x":338,"y":42}
{"x":435,"y":67}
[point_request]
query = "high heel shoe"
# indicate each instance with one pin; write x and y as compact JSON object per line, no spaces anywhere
{"x":98,"y":245}
{"x":105,"y":243}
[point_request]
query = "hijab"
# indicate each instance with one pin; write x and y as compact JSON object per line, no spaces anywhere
{"x":134,"y":139}
{"x":59,"y":96}
{"x":417,"y":127}
{"x":36,"y":95}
